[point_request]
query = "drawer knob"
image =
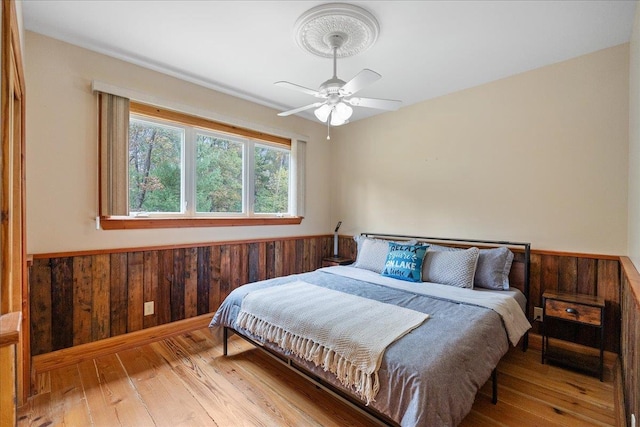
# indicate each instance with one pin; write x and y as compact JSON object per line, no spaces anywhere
{"x":571,"y":311}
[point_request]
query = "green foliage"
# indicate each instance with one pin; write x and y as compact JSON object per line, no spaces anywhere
{"x":154,"y":167}
{"x":218,"y":175}
{"x":155,"y":175}
{"x":271,"y":180}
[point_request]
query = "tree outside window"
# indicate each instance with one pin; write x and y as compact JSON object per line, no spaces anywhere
{"x":229,"y":175}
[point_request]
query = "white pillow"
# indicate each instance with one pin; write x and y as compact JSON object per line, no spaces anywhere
{"x":372,"y":253}
{"x":454,"y":268}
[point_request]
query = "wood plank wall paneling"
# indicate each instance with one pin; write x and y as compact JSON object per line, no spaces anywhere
{"x":189,"y":281}
{"x":630,"y":351}
{"x":82,"y":292}
{"x":40,"y":285}
{"x":582,"y":274}
{"x":165,"y":278}
{"x":117,"y":294}
{"x":346,"y":247}
{"x":101,"y":297}
{"x":135,"y":290}
{"x":77,"y":299}
{"x":177,"y":286}
{"x":62,"y":302}
{"x":203,"y":279}
{"x":150,"y":285}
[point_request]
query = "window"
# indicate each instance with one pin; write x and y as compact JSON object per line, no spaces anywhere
{"x":155,"y":166}
{"x":219,"y":174}
{"x":271,"y":179}
{"x":191,"y":171}
{"x":220,"y":187}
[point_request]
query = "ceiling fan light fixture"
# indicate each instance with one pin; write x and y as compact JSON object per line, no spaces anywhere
{"x":337,"y":114}
{"x":338,"y":30}
{"x":336,"y":120}
{"x":343,"y":111}
{"x":323,"y":112}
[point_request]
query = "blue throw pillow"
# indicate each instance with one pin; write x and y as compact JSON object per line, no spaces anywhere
{"x":404,"y":262}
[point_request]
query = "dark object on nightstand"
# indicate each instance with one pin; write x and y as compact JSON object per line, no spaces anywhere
{"x":576,"y":308}
{"x":336,"y":260}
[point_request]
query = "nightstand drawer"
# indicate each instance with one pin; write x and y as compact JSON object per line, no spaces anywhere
{"x":573,"y":311}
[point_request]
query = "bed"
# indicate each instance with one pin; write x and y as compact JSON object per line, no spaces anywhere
{"x":431,"y":371}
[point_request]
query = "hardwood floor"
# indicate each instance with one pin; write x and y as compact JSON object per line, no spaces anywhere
{"x":185,"y":381}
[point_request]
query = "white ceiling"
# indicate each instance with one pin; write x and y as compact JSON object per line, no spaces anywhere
{"x":425,"y":48}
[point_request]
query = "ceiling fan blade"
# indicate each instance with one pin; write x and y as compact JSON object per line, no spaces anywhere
{"x":381,"y":104}
{"x":363,"y":79}
{"x":297,"y":110}
{"x":298,"y":88}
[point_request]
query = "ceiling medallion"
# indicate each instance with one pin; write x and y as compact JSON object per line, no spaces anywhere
{"x":357,"y":28}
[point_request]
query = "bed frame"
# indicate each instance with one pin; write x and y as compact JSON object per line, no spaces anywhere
{"x":518,"y":277}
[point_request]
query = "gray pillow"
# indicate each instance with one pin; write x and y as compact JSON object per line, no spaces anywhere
{"x":493,"y":268}
{"x":492,"y":271}
{"x":454,"y":268}
{"x":442,"y":248}
{"x":372,"y":253}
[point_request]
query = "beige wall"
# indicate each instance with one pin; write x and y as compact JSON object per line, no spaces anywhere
{"x":538,"y":157}
{"x":634,"y":144}
{"x":541,"y":156}
{"x":61,"y":150}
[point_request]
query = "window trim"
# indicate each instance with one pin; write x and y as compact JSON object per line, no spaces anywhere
{"x":181,"y":118}
{"x":116,"y":222}
{"x":132,"y":223}
{"x":184,"y":129}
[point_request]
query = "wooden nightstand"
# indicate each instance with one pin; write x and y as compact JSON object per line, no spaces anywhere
{"x":581,"y":309}
{"x":336,"y":260}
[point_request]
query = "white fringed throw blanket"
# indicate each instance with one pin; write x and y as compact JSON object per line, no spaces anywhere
{"x":345,"y":334}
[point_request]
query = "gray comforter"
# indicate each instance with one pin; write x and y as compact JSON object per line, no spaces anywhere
{"x":430,"y":376}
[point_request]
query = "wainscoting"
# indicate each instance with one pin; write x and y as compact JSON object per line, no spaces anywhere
{"x":585,"y":274}
{"x":630,"y":351}
{"x":77,"y":298}
{"x":82,"y":297}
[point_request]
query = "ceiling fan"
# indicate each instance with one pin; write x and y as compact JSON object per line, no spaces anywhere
{"x":337,"y":95}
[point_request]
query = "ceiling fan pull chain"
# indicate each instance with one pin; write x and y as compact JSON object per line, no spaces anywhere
{"x":329,"y":127}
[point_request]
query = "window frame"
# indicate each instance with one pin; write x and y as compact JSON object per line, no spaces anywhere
{"x":184,"y":164}
{"x":189,"y":217}
{"x":252,"y":177}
